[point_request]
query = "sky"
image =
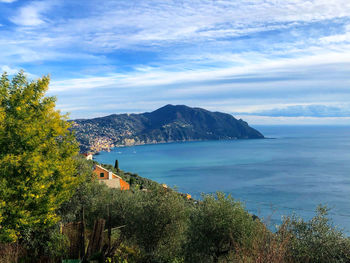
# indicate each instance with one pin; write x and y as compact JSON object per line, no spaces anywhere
{"x":266,"y":61}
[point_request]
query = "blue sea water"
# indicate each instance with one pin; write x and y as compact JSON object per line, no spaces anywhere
{"x":303,"y":166}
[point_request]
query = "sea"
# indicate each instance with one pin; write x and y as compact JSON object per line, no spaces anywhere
{"x":292,"y":171}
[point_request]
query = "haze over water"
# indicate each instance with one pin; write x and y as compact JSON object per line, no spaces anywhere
{"x":302,"y":167}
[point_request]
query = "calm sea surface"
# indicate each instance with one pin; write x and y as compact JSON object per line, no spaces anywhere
{"x":302,"y":167}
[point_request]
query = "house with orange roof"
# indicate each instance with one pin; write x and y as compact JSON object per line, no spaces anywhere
{"x":110,"y":179}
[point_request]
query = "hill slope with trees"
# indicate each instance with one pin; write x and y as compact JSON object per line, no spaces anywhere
{"x":167,"y":124}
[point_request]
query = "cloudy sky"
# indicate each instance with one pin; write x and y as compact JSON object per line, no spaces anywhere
{"x":267,"y":61}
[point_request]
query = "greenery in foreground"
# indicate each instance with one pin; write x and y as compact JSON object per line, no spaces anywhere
{"x":37,"y":171}
{"x":44,"y":184}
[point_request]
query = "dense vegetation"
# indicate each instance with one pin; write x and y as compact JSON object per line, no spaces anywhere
{"x":167,"y":124}
{"x":47,"y":190}
{"x":36,"y":149}
{"x":160,"y":225}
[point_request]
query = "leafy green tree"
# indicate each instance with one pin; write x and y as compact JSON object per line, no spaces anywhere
{"x":219,"y":227}
{"x":316,"y":240}
{"x":157,"y":222}
{"x":37,"y":171}
{"x":153,"y":221}
{"x":47,"y":243}
{"x":86,"y":195}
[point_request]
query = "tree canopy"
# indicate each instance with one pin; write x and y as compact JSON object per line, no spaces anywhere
{"x":37,"y":171}
{"x":218,"y":226}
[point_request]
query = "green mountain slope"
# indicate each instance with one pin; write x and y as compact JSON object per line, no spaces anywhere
{"x":167,"y":124}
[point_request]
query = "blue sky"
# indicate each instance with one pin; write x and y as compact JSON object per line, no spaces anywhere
{"x":267,"y":61}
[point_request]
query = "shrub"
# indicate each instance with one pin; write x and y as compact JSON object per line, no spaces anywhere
{"x":316,"y":240}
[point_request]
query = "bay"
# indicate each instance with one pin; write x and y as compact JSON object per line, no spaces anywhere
{"x":300,"y":168}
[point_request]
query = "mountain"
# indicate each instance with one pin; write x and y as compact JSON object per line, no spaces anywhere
{"x":167,"y":124}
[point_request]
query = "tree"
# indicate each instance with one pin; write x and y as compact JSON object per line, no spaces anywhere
{"x":88,"y":192}
{"x":153,"y":221}
{"x":316,"y":240}
{"x":157,"y":222}
{"x":37,"y":171}
{"x":219,"y":226}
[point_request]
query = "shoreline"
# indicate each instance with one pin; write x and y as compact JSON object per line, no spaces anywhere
{"x":169,"y":142}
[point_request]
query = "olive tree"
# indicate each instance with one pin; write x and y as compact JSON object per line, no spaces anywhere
{"x":218,"y":227}
{"x":316,"y":240}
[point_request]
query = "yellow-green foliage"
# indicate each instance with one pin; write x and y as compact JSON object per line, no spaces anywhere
{"x":36,"y":149}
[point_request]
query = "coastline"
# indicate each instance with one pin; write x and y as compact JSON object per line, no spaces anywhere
{"x":112,"y":146}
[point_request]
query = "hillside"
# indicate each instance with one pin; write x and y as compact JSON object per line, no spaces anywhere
{"x":167,"y":124}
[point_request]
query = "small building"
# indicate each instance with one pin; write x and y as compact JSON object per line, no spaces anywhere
{"x":88,"y":156}
{"x":110,"y":179}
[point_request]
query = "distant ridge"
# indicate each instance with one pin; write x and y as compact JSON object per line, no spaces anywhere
{"x":171,"y":123}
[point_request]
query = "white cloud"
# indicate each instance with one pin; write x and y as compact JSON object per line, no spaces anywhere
{"x":7,"y":1}
{"x":153,"y":22}
{"x":309,"y":110}
{"x":294,"y":51}
{"x":264,"y":120}
{"x":14,"y":70}
{"x":31,"y":15}
{"x":122,"y":25}
{"x":9,"y":70}
{"x":254,"y":87}
{"x":151,"y":76}
{"x":337,"y":38}
{"x":132,"y":26}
